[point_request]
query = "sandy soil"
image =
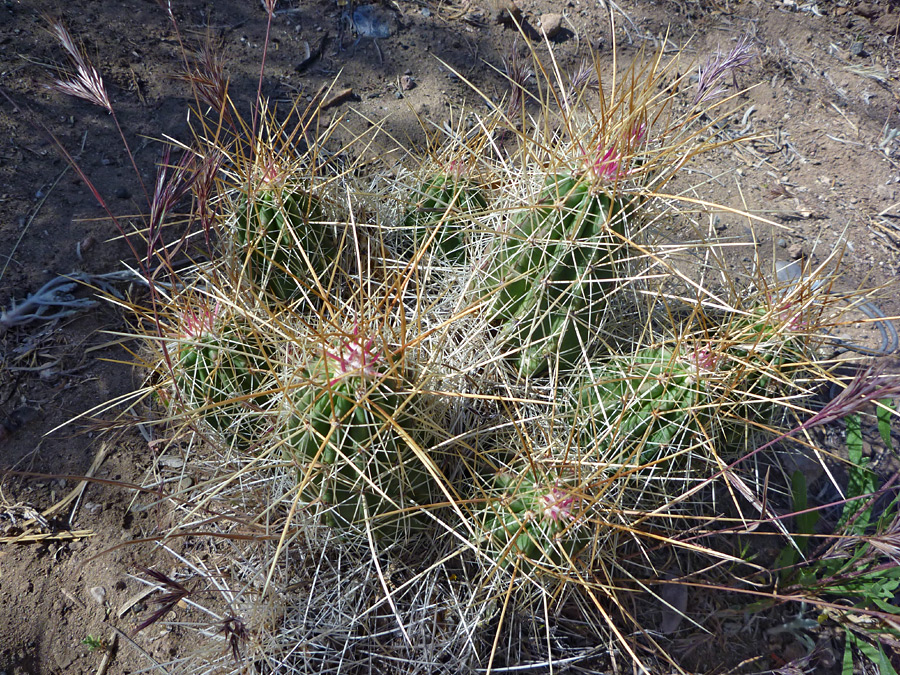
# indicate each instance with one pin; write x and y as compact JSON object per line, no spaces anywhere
{"x":824,"y":101}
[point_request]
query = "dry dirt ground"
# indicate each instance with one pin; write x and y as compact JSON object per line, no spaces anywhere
{"x":826,"y":98}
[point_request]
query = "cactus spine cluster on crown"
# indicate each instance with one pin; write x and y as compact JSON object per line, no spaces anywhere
{"x":532,"y":517}
{"x":219,"y":368}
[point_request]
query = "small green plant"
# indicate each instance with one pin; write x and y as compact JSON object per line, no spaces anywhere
{"x":855,"y":579}
{"x":96,"y":644}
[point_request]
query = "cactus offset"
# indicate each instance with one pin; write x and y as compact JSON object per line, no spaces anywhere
{"x":217,"y":369}
{"x":446,"y":203}
{"x":282,"y":238}
{"x":532,"y":518}
{"x":641,"y":408}
{"x":550,"y":275}
{"x":341,"y":433}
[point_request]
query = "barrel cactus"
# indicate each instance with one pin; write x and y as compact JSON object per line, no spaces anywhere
{"x":351,"y":442}
{"x":283,"y":240}
{"x":547,"y":279}
{"x":531,"y":517}
{"x":218,"y":368}
{"x":446,"y":203}
{"x":640,"y":408}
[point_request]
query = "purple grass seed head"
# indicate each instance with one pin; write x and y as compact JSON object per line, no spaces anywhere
{"x":717,"y":66}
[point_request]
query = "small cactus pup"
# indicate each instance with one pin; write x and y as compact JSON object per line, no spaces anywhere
{"x":444,"y":212}
{"x":547,"y":280}
{"x":531,"y":517}
{"x":219,"y":368}
{"x":283,"y":242}
{"x":757,"y":352}
{"x":351,"y":441}
{"x":642,"y":408}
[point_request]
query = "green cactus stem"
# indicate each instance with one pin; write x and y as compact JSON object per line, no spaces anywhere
{"x":283,"y":239}
{"x":757,"y":354}
{"x":341,"y":433}
{"x":446,"y":203}
{"x":532,"y":518}
{"x":642,"y":407}
{"x":549,"y":277}
{"x":218,"y":369}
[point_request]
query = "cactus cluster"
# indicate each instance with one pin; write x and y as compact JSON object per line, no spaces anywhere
{"x":344,"y":414}
{"x":488,"y":401}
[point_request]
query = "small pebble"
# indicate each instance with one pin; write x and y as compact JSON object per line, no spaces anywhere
{"x":795,"y":251}
{"x":122,"y":193}
{"x":185,"y":483}
{"x":171,"y":462}
{"x":782,"y":243}
{"x":858,"y":48}
{"x":426,"y":12}
{"x":505,"y":12}
{"x":407,"y":82}
{"x":551,"y":25}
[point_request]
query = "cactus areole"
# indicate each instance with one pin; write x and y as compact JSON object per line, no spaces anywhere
{"x":547,"y":281}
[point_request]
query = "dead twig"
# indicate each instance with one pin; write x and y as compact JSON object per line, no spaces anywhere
{"x":54,"y":299}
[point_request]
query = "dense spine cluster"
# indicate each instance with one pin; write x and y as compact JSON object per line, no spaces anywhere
{"x":351,"y":443}
{"x":637,"y":408}
{"x":549,"y":275}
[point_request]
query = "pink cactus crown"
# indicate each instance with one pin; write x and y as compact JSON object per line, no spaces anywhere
{"x":355,"y":357}
{"x":607,"y":163}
